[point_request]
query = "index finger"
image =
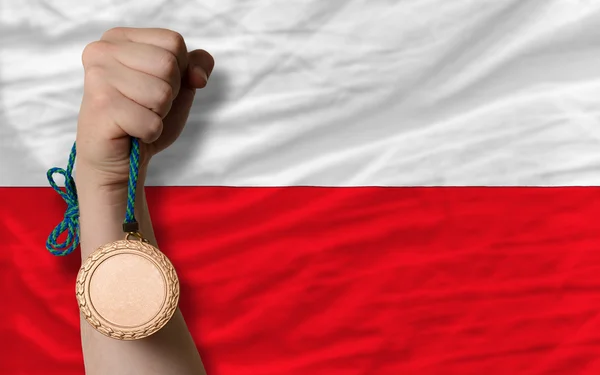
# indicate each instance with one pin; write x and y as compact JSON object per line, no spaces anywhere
{"x":167,"y":39}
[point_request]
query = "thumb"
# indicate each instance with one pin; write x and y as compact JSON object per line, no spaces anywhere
{"x":200,"y":66}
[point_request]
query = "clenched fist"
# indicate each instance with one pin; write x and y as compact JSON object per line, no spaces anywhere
{"x":138,"y":83}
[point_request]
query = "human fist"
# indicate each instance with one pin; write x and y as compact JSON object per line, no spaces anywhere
{"x":138,"y":83}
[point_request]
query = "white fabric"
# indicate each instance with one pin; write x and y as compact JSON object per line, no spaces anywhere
{"x":335,"y":93}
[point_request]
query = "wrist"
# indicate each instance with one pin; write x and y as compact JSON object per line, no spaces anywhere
{"x":102,"y":206}
{"x":105,"y":183}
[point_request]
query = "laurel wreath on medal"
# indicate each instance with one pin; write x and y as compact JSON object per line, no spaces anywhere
{"x":172,"y":289}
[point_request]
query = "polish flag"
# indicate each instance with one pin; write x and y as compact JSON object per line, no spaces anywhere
{"x":363,"y":188}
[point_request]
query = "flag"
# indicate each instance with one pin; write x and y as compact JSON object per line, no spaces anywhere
{"x":362,"y":188}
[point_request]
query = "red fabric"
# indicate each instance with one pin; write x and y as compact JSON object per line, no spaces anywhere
{"x":332,"y":281}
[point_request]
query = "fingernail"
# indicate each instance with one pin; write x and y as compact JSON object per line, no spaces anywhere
{"x":212,"y":67}
{"x":198,"y":70}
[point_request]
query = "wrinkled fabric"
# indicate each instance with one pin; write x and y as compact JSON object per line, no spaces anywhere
{"x":338,"y":281}
{"x":441,"y":227}
{"x":331,"y":93}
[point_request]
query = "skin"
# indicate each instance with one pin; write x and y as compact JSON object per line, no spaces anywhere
{"x":140,"y":83}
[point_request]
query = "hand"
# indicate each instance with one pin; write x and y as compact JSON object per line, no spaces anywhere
{"x":138,"y":83}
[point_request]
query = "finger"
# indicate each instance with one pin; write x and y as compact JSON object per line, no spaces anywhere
{"x":163,"y":38}
{"x":175,"y":120}
{"x":142,"y":57}
{"x":201,"y":65}
{"x":131,"y":117}
{"x":203,"y":59}
{"x":144,"y":89}
{"x":151,"y":60}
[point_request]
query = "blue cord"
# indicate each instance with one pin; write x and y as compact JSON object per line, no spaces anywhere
{"x":70,"y":222}
{"x":134,"y":169}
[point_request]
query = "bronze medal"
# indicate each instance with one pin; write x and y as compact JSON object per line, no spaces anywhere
{"x":127,"y":289}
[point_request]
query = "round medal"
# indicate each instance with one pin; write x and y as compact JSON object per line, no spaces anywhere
{"x":127,"y":289}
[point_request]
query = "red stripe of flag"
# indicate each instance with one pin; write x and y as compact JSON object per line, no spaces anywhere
{"x":307,"y":280}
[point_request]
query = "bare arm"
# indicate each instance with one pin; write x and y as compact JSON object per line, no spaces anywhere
{"x":138,"y":83}
{"x":169,"y":351}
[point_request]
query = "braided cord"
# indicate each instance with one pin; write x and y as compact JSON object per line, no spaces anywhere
{"x":134,"y":169}
{"x":70,"y":222}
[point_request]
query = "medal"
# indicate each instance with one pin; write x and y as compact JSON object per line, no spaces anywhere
{"x":126,"y":289}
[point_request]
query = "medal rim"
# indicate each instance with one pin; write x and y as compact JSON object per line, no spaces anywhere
{"x":139,"y":248}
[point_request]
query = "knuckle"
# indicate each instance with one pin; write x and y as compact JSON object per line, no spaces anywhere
{"x":168,"y":65}
{"x":112,"y":32}
{"x":96,"y":90}
{"x":94,"y":51}
{"x":154,"y":127}
{"x":95,"y":76}
{"x":175,"y":87}
{"x":100,"y":100}
{"x":164,"y":94}
{"x":175,"y":41}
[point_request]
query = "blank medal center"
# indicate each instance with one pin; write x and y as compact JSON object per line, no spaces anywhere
{"x":127,"y":290}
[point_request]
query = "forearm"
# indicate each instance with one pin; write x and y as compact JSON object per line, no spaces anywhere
{"x":169,"y":351}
